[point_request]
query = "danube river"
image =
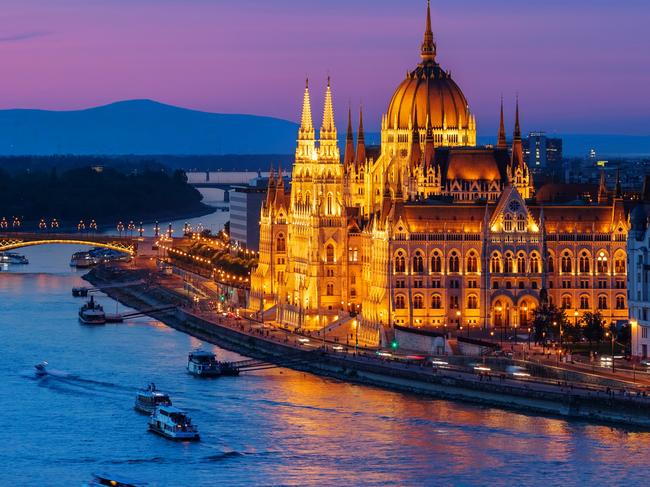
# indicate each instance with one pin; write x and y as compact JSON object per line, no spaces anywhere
{"x":275,"y":427}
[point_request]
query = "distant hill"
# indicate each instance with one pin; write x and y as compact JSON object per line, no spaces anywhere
{"x":142,"y":127}
{"x":146,"y":127}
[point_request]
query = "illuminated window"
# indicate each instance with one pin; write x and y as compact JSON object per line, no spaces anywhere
{"x":507,"y":222}
{"x":566,"y":301}
{"x":566,"y":264}
{"x":330,"y":289}
{"x":418,"y":302}
{"x":620,"y":302}
{"x":472,"y":302}
{"x":495,"y":264}
{"x":602,"y":302}
{"x":583,"y":263}
{"x":521,"y":223}
{"x":472,"y":262}
{"x":534,"y":264}
{"x":601,"y":263}
{"x":400,"y":302}
{"x":400,"y":262}
{"x":436,"y":262}
{"x":584,"y":302}
{"x":418,"y":262}
{"x":508,"y":267}
{"x":521,"y":263}
{"x":619,"y":264}
{"x":454,"y":265}
{"x":436,"y":302}
{"x":329,"y":253}
{"x":281,"y":244}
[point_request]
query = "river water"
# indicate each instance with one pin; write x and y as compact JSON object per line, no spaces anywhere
{"x":274,"y":427}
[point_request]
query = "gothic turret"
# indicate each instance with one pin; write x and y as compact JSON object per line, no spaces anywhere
{"x":306,"y":134}
{"x":348,"y":156}
{"x":360,"y":158}
{"x":328,"y":149}
{"x":602,"y":189}
{"x":502,"y":143}
{"x":517,"y":148}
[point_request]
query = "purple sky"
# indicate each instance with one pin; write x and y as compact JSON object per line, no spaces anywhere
{"x":579,"y":66}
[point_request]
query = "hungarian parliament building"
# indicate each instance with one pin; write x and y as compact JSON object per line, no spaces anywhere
{"x":429,"y":230}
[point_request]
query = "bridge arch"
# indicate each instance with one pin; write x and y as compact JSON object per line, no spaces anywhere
{"x":7,"y":244}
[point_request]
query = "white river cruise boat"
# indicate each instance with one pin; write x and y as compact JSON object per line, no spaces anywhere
{"x":173,"y":423}
{"x":147,"y":400}
{"x":92,"y":313}
{"x":203,"y":364}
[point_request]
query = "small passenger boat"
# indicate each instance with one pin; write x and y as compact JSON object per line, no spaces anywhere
{"x":173,"y":423}
{"x":79,"y":292}
{"x":203,"y":364}
{"x":92,"y":313}
{"x":41,"y":369}
{"x":146,"y":400}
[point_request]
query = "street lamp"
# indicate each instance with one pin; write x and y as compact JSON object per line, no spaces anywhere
{"x":16,"y":222}
{"x":458,"y":320}
{"x":81,"y":226}
{"x":141,"y":229}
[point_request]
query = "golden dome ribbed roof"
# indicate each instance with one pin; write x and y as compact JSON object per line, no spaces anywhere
{"x":430,"y":92}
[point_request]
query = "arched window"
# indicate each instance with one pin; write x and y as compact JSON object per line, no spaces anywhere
{"x":454,"y":265}
{"x":521,"y":263}
{"x":418,"y":302}
{"x":583,"y":263}
{"x":400,"y":302}
{"x":534,"y":264}
{"x":472,"y":302}
{"x":472,"y":262}
{"x":330,"y":289}
{"x":436,"y":302}
{"x":566,"y":264}
{"x":418,"y":263}
{"x":620,"y":302}
{"x":619,"y":264}
{"x":601,"y":263}
{"x":281,"y":244}
{"x":330,"y":208}
{"x":602,"y":302}
{"x":508,"y":267}
{"x":550,"y":262}
{"x":584,"y":301}
{"x":329,"y":253}
{"x":308,"y":199}
{"x":436,"y":262}
{"x":521,"y":223}
{"x":495,"y":264}
{"x":566,"y":301}
{"x":507,"y":222}
{"x":400,"y":262}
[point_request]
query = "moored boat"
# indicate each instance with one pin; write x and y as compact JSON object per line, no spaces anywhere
{"x":13,"y":258}
{"x":83,"y":260}
{"x":146,"y":400}
{"x":80,"y":292}
{"x":92,"y":313}
{"x":173,"y":423}
{"x":203,"y":364}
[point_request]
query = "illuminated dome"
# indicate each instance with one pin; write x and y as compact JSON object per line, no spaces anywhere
{"x":430,"y":92}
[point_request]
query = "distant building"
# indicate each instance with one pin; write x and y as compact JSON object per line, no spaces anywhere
{"x":245,"y":205}
{"x":638,"y":246}
{"x":541,"y":151}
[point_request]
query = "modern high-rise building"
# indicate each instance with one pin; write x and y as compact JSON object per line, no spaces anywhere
{"x":431,"y":231}
{"x":541,"y":151}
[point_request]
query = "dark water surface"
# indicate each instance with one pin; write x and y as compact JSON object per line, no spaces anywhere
{"x":275,"y":427}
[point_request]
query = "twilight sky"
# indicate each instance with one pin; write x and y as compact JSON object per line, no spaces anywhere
{"x":579,"y":66}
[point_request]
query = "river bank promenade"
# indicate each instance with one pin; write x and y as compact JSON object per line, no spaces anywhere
{"x":562,"y":390}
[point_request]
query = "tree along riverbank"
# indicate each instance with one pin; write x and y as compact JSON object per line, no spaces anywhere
{"x":575,"y":401}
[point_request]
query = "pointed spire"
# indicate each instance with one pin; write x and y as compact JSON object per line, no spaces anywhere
{"x":328,"y":129}
{"x":279,"y":199}
{"x":517,"y":127}
{"x":348,"y":156}
{"x":502,"y":143}
{"x":517,"y":147}
{"x":428,"y":50}
{"x":416,"y":151}
{"x":306,"y":124}
{"x":602,"y":189}
{"x":270,"y":190}
{"x":619,"y":190}
{"x":361,"y":142}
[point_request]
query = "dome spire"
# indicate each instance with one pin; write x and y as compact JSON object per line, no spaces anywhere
{"x":502,"y":142}
{"x":428,"y":50}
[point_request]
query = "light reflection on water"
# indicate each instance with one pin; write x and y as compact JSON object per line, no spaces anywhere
{"x":265,"y":428}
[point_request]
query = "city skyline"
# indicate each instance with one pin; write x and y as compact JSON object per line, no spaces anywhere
{"x":251,"y":57}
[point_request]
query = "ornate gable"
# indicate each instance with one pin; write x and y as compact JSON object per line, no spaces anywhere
{"x":511,"y":214}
